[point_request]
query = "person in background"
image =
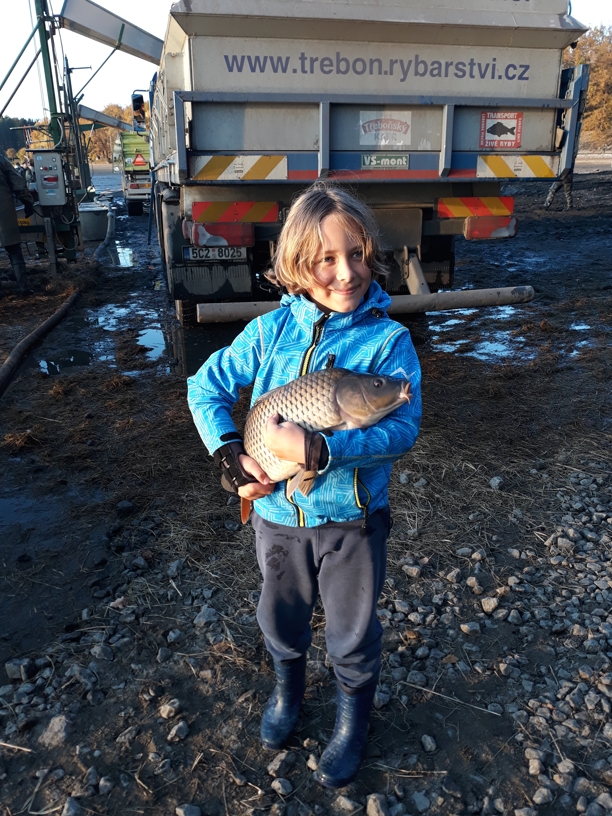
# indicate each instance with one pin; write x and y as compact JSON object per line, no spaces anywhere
{"x":28,"y":171}
{"x":138,"y":106}
{"x":566,"y":183}
{"x":12,"y":186}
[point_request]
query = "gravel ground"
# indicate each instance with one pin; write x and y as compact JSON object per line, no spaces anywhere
{"x":496,"y":691}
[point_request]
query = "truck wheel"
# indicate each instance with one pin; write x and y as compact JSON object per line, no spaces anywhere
{"x":134,"y":207}
{"x":187,"y":313}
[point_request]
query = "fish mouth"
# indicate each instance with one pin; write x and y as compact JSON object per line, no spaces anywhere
{"x":405,"y":392}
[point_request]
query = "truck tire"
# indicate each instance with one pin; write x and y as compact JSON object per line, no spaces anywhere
{"x":187,"y":313}
{"x":134,"y":207}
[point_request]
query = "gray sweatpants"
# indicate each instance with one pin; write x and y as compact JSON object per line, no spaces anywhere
{"x":346,"y":563}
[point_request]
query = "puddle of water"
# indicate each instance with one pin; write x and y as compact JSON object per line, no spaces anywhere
{"x":448,"y":324}
{"x":449,"y":347}
{"x":155,"y":340}
{"x":489,"y":349}
{"x":500,"y":345}
{"x":121,"y":257}
{"x":502,"y":312}
{"x":115,"y":318}
{"x":192,"y":347}
{"x":580,"y":346}
{"x":533,"y":262}
{"x":68,"y":359}
{"x":111,"y":317}
{"x":125,"y":256}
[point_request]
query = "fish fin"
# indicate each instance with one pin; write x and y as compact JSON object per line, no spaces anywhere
{"x":302,"y":481}
{"x":245,"y":509}
{"x":308,"y":480}
{"x":294,"y":483}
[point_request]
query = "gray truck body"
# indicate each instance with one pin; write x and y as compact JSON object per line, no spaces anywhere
{"x":424,"y":111}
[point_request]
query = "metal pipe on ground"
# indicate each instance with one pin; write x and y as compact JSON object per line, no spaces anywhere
{"x":400,"y":304}
{"x":21,"y":349}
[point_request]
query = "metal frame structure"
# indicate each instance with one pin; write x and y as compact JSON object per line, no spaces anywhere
{"x":576,"y":97}
{"x":324,"y":101}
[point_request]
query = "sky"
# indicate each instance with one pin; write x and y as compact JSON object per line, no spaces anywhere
{"x":123,"y":73}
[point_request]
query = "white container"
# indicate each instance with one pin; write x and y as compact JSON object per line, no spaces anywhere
{"x":94,"y":221}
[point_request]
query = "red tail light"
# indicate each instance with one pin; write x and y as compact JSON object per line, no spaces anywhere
{"x":491,"y":226}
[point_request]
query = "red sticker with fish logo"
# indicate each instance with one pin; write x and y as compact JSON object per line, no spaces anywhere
{"x":500,"y":130}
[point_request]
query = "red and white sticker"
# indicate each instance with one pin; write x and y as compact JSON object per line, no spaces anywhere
{"x":389,"y":127}
{"x":500,"y":130}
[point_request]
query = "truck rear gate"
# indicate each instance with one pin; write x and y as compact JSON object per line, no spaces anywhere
{"x":257,"y":101}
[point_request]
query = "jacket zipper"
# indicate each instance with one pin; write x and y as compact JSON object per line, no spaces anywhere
{"x":316,"y":339}
{"x":356,"y":484}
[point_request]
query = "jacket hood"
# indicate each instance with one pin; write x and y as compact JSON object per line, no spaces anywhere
{"x":307,"y":313}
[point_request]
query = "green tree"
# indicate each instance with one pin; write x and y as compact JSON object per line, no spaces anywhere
{"x":100,"y":144}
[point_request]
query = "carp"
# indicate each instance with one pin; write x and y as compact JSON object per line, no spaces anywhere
{"x":499,"y":129}
{"x":333,"y":399}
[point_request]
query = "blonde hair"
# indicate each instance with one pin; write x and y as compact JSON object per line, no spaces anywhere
{"x":301,"y":240}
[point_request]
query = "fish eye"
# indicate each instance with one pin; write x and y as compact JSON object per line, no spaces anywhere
{"x":378,"y":383}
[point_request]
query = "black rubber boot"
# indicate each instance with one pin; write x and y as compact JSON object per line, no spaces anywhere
{"x":282,"y":709}
{"x":343,"y":756}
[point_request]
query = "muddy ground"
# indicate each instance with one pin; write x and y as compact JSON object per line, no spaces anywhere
{"x":127,"y":581}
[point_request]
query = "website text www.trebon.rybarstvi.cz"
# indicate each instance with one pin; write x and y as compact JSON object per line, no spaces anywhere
{"x":400,"y":69}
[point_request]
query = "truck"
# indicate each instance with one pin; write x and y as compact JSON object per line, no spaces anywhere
{"x":131,"y":159}
{"x":424,"y":110}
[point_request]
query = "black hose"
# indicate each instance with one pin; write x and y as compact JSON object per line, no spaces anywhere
{"x":21,"y":349}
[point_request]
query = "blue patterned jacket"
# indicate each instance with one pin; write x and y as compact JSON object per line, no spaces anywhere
{"x":293,"y":340}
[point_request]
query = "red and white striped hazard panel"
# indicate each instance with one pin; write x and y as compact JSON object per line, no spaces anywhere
{"x":465,"y":207}
{"x":249,"y":212}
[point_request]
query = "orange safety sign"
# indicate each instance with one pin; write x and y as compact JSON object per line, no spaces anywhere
{"x":252,"y":212}
{"x":465,"y":207}
{"x":139,"y":160}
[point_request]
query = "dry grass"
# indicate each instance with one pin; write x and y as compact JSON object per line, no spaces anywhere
{"x":15,"y":442}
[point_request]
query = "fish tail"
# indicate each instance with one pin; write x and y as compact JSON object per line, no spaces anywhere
{"x":302,"y":481}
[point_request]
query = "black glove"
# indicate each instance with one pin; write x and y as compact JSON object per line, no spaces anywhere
{"x":233,"y":474}
{"x":28,"y":207}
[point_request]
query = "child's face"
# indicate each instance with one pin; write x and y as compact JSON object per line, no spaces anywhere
{"x":341,"y":276}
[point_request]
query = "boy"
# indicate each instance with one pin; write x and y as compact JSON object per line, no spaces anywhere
{"x":334,"y":540}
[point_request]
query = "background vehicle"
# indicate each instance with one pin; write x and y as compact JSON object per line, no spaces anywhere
{"x":423,"y":110}
{"x":131,"y":157}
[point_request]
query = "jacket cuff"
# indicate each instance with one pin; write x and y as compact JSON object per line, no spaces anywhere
{"x":316,"y":450}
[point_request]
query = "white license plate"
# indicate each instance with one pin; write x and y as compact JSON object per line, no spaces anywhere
{"x":220,"y":253}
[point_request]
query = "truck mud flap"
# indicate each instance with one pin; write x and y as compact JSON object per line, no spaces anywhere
{"x":211,"y":281}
